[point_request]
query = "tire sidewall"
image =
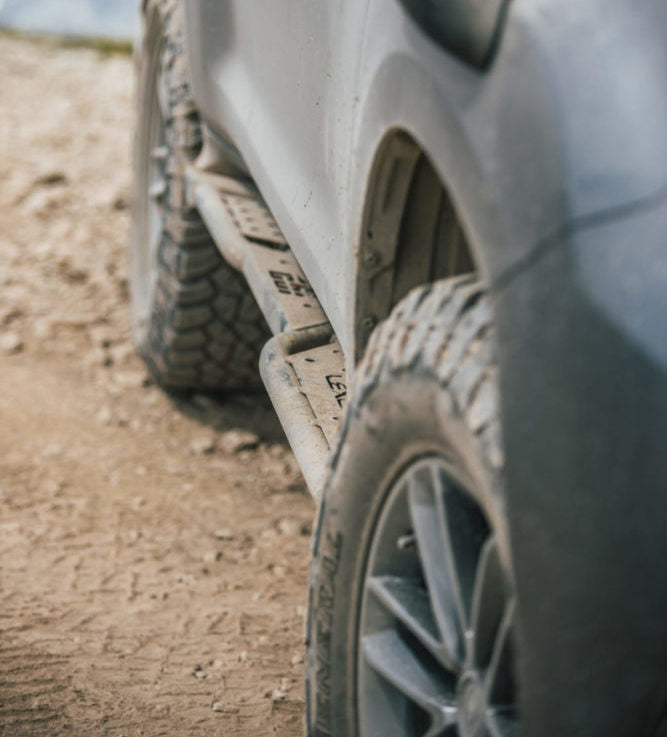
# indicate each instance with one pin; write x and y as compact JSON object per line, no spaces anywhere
{"x":149,"y":69}
{"x":403,"y":418}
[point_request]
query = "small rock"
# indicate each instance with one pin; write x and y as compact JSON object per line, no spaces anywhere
{"x":98,"y":357}
{"x":217,"y":706}
{"x":53,"y":486}
{"x":212,"y":556}
{"x":9,"y":314}
{"x":132,"y":536}
{"x":120,"y":202}
{"x":224,"y":534}
{"x":234,"y":441}
{"x":100,"y":335}
{"x":104,"y":415}
{"x":52,"y":450}
{"x":278,"y":695}
{"x":121,"y":352}
{"x":287,"y":526}
{"x":131,"y":379}
{"x":50,"y":179}
{"x":203,"y":445}
{"x":71,"y":273}
{"x":43,"y":328}
{"x":10,"y":343}
{"x":297,"y":659}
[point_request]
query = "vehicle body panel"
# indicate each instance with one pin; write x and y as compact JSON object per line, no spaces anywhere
{"x":307,"y":92}
{"x":556,"y":160}
{"x":584,"y":388}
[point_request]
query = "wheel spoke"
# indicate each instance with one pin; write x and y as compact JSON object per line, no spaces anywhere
{"x":428,"y":687}
{"x":406,"y":600}
{"x":428,"y":527}
{"x":488,"y":603}
{"x":499,"y":678}
{"x":436,"y":631}
{"x":464,"y":532}
{"x":444,"y":726}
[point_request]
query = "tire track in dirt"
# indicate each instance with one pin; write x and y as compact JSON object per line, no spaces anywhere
{"x":153,"y":550}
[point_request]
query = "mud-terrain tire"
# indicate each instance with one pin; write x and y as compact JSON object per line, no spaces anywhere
{"x":411,"y":530}
{"x":194,"y":319}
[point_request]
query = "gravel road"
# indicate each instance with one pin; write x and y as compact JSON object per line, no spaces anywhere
{"x":153,"y":551}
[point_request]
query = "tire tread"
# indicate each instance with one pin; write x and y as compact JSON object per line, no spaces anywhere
{"x":205,"y":330}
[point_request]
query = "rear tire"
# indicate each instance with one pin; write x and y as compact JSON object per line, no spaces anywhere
{"x":194,"y":319}
{"x":411,"y":618}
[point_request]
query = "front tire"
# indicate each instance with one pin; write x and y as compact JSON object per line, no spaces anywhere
{"x":194,"y":319}
{"x":411,"y":608}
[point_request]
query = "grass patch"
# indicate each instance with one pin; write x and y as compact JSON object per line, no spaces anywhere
{"x":104,"y":46}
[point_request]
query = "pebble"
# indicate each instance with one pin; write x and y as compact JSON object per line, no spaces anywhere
{"x":52,"y":450}
{"x":10,"y":313}
{"x":53,"y":486}
{"x":121,"y":352}
{"x":224,"y":534}
{"x":212,"y":556}
{"x":10,"y":343}
{"x":217,"y":706}
{"x":50,"y":179}
{"x":235,"y":441}
{"x":278,"y":695}
{"x":104,"y":415}
{"x":130,"y":379}
{"x":203,"y":445}
{"x":289,"y":527}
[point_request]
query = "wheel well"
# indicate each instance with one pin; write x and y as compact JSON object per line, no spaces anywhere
{"x":411,"y":233}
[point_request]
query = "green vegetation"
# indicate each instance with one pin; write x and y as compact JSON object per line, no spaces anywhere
{"x":105,"y":46}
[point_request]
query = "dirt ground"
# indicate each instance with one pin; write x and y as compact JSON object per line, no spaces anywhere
{"x":153,"y":552}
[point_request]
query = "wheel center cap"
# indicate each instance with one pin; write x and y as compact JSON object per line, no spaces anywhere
{"x":472,"y":707}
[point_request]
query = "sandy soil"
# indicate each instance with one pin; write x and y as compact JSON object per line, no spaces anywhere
{"x":153,"y":552}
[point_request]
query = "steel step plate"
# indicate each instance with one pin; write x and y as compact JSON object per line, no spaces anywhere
{"x":302,"y":367}
{"x":308,"y":390}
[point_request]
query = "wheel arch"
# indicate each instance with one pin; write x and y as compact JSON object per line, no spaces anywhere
{"x":411,"y":232}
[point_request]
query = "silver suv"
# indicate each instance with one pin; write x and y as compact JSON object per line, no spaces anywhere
{"x":404,"y":214}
